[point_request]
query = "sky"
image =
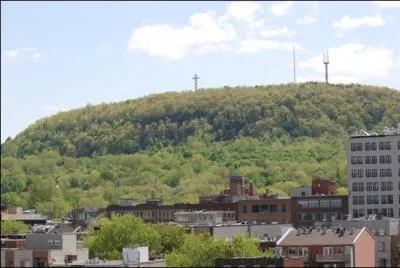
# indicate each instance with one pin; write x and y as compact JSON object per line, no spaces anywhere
{"x":57,"y":56}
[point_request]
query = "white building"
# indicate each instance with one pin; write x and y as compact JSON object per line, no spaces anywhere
{"x":374,"y":173}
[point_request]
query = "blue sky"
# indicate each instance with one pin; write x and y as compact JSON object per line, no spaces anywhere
{"x":57,"y":56}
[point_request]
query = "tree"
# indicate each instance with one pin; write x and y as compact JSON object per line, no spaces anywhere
{"x":13,"y":227}
{"x":202,"y":250}
{"x":119,"y":232}
{"x":172,"y":236}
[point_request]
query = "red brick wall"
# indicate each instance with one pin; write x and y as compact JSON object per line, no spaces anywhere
{"x":293,"y":262}
{"x":395,"y":261}
{"x":279,"y":216}
{"x":326,"y":187}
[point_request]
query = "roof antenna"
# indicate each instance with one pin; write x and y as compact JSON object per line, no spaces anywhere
{"x":326,"y":62}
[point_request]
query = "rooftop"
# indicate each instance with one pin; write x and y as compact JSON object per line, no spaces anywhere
{"x":320,"y":236}
{"x":386,"y":132}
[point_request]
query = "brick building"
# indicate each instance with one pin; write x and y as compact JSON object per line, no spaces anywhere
{"x":259,"y":262}
{"x":265,"y":210}
{"x":323,"y":247}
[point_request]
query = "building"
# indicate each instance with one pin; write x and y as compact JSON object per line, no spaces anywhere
{"x":307,"y":209}
{"x":386,"y":232}
{"x":322,"y":186}
{"x":334,"y":247}
{"x":82,"y":216}
{"x":237,"y":191}
{"x":201,"y":218}
{"x":48,"y":245}
{"x":374,"y":173}
{"x":265,"y":210}
{"x":154,"y":211}
{"x":259,"y":262}
{"x":17,"y":213}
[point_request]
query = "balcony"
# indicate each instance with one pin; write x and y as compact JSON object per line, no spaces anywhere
{"x":333,"y":258}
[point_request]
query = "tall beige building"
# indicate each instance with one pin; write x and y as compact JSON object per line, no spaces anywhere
{"x":374,"y":173}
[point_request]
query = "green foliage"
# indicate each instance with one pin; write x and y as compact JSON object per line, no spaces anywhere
{"x":202,"y":250}
{"x":178,"y":146}
{"x":172,"y":236}
{"x":120,"y":232}
{"x":13,"y":227}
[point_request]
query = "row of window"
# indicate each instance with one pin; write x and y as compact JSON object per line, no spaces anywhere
{"x":372,"y":186}
{"x":264,"y":208}
{"x":383,"y":159}
{"x":318,"y":216}
{"x":373,"y":199}
{"x":372,"y":146}
{"x":372,"y":173}
{"x":323,"y":203}
{"x":388,"y":212}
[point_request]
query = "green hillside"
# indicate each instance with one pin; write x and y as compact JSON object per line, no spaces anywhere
{"x":181,"y":145}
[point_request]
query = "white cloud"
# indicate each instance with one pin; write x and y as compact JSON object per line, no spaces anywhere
{"x":247,"y":12}
{"x":306,"y":20}
{"x":253,"y":45}
{"x":11,"y":54}
{"x":37,"y":56}
{"x":348,"y":23}
{"x":282,"y":31}
{"x":388,"y":4}
{"x":351,"y":63}
{"x":164,"y":40}
{"x":281,"y":8}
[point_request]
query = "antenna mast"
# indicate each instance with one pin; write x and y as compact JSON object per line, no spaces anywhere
{"x":195,"y":78}
{"x":326,"y":62}
{"x":294,"y":64}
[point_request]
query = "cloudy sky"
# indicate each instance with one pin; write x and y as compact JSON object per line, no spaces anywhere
{"x":62,"y":55}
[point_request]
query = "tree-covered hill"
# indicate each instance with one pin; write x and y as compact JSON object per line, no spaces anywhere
{"x":181,"y":145}
{"x":224,"y":114}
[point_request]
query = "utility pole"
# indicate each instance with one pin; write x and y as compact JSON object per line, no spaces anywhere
{"x":195,"y":78}
{"x":294,"y":64}
{"x":326,"y":62}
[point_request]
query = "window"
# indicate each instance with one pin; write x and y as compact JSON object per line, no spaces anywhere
{"x":355,"y":200}
{"x":382,"y":172}
{"x":361,"y":187}
{"x":369,"y":186}
{"x":367,"y":146}
{"x":384,"y":199}
{"x":360,"y":173}
{"x":255,"y":208}
{"x":388,"y":159}
{"x":374,"y":173}
{"x":353,"y":147}
{"x":390,"y":212}
{"x":354,"y":186}
{"x":368,"y":160}
{"x":374,"y":159}
{"x":368,"y":173}
{"x":283,"y":208}
{"x":398,"y":145}
{"x":388,"y":145}
{"x":292,"y":251}
{"x":324,"y":203}
{"x":381,"y":146}
{"x":264,"y":208}
{"x":359,"y":146}
{"x":398,"y":158}
{"x":383,"y":186}
{"x":375,"y":186}
{"x":389,"y":186}
{"x":361,"y":200}
{"x":273,"y":208}
{"x":388,"y":172}
{"x":354,"y":173}
{"x":360,"y":160}
{"x":328,"y":251}
{"x":390,"y":199}
{"x":336,"y":203}
{"x":302,"y":203}
{"x":382,"y":262}
{"x":375,"y":199}
{"x":353,"y":160}
{"x":381,"y":159}
{"x":373,"y":146}
{"x":313,"y":203}
{"x":303,"y":252}
{"x":381,"y":246}
{"x":369,"y":199}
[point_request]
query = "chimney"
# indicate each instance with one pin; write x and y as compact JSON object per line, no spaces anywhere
{"x":251,"y":190}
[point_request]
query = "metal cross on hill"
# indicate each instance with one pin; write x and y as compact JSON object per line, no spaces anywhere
{"x":195,"y":78}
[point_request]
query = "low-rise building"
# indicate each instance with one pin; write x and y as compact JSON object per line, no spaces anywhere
{"x":385,"y":231}
{"x":259,"y":262}
{"x":17,"y":213}
{"x":329,"y":247}
{"x":199,"y":218}
{"x":264,"y":210}
{"x":82,"y":216}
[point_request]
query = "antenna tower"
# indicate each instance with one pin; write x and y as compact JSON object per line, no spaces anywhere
{"x":195,"y":78}
{"x":326,"y":62}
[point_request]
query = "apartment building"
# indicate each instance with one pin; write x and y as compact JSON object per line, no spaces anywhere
{"x":329,"y":247}
{"x":374,"y":173}
{"x":385,"y":231}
